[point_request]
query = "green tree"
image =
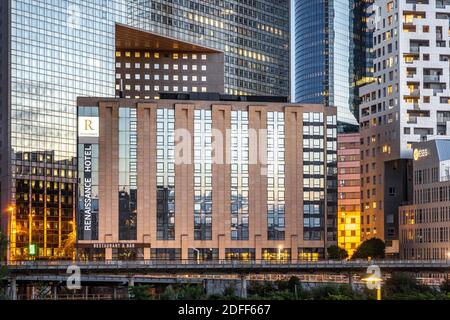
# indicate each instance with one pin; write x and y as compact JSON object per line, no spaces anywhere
{"x":169,"y":294}
{"x":337,"y":253}
{"x":372,"y":248}
{"x":445,"y":286}
{"x":190,"y":292}
{"x":403,"y":286}
{"x":142,"y":292}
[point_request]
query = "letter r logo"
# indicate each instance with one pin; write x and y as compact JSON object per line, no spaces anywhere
{"x":88,"y":124}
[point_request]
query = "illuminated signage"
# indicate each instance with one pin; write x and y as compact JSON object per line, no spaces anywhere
{"x":420,"y":153}
{"x":87,"y":191}
{"x":88,"y":127}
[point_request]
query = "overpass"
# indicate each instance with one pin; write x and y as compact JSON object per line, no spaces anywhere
{"x":116,"y":274}
{"x":146,"y":267}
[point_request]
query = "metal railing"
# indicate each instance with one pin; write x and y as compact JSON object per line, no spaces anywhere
{"x":216,"y":263}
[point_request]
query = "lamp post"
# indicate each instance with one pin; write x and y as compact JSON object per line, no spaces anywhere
{"x":374,"y":282}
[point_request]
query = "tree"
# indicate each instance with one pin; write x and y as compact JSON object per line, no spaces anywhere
{"x":404,"y":286}
{"x":337,"y":253}
{"x":141,"y":292}
{"x":190,"y":292}
{"x":372,"y":248}
{"x":445,"y":286}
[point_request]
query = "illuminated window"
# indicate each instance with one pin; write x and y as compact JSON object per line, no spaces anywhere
{"x":175,"y":56}
{"x":118,"y":54}
{"x":156,"y":55}
{"x":137,"y":54}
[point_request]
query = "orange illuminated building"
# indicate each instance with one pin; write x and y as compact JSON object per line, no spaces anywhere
{"x":349,"y":197}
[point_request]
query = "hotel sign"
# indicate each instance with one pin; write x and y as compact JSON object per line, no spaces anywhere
{"x":420,"y":153}
{"x":88,"y":127}
{"x":87,"y":191}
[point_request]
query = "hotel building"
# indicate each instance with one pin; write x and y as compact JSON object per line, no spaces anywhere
{"x":407,"y":103}
{"x":205,"y":176}
{"x":425,"y":224}
{"x":54,"y":51}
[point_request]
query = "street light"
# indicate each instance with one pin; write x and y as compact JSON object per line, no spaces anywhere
{"x":374,"y":282}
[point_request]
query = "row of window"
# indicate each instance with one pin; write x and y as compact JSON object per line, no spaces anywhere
{"x":157,"y":55}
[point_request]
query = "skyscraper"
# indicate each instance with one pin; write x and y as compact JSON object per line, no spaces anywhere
{"x":329,"y":55}
{"x":54,"y":51}
{"x":407,"y":103}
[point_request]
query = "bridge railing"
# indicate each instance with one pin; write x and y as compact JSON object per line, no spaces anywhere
{"x":225,"y":263}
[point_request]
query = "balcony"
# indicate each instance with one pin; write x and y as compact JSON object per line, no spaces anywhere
{"x":414,"y":93}
{"x":431,"y":78}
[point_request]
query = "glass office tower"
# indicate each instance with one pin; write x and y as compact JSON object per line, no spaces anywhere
{"x":328,"y":38}
{"x":53,"y":51}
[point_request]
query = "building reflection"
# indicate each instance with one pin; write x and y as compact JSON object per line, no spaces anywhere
{"x":43,"y":215}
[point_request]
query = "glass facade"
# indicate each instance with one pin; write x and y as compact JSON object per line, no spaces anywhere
{"x":239,"y":175}
{"x":202,"y":175}
{"x":165,"y":174}
{"x":243,"y":254}
{"x":332,"y":185}
{"x":127,"y":173}
{"x":328,"y":54}
{"x":362,"y":51}
{"x":275,"y":176}
{"x":314,"y":203}
{"x":60,"y":50}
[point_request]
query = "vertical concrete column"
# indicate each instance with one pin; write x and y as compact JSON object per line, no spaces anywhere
{"x":108,"y":254}
{"x":147,"y":254}
{"x":243,"y":286}
{"x":13,"y":288}
{"x":130,"y":285}
{"x":184,"y":181}
{"x":222,"y":242}
{"x":55,"y":292}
